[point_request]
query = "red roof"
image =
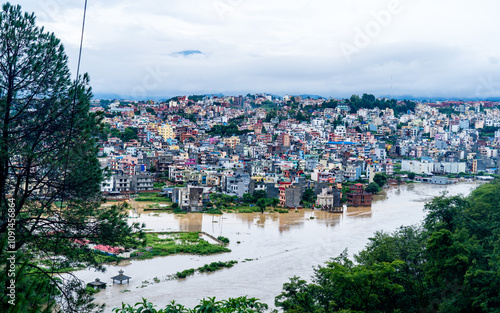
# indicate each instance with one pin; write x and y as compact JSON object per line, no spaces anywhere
{"x":109,"y":249}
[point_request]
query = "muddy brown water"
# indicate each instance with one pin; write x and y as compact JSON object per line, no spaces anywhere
{"x":272,"y":248}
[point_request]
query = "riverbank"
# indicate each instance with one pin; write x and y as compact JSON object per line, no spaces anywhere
{"x":281,"y":245}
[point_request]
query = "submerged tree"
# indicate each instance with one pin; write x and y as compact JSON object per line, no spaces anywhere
{"x":49,"y":173}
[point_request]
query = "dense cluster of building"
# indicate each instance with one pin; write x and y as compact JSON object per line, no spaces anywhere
{"x":284,"y":146}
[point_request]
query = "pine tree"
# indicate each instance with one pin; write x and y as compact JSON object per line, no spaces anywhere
{"x":49,"y":174}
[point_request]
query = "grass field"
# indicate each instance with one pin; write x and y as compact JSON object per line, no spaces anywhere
{"x":164,"y":244}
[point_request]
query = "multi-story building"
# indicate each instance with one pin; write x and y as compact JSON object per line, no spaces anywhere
{"x":232,"y":141}
{"x":329,"y":198}
{"x":290,"y":196}
{"x":166,"y":132}
{"x":141,"y":183}
{"x":284,"y":140}
{"x":358,"y":196}
{"x":122,"y":183}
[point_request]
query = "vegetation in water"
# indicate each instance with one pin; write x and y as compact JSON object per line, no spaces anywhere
{"x":212,"y":267}
{"x":163,"y":244}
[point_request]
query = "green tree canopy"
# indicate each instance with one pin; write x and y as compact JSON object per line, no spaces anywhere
{"x":240,"y":304}
{"x":373,"y":188}
{"x":449,"y":264}
{"x":49,"y":174}
{"x":380,"y":179}
{"x":309,"y":195}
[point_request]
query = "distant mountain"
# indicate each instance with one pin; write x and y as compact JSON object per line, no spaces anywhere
{"x":315,"y":97}
{"x":109,"y":96}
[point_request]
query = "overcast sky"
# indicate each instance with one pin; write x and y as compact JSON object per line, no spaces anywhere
{"x":162,"y":48}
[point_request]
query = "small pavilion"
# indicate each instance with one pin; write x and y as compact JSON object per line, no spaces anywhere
{"x":97,"y":284}
{"x":120,"y":277}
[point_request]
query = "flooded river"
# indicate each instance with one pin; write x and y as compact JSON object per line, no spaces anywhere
{"x":272,"y":248}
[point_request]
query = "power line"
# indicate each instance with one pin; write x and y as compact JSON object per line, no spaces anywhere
{"x":74,"y":103}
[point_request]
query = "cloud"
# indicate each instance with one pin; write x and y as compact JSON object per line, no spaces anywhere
{"x":283,"y":46}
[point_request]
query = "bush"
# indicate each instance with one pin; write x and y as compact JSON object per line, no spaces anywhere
{"x":215,"y":266}
{"x":213,"y":211}
{"x":223,"y":239}
{"x":185,"y":273}
{"x":241,"y":304}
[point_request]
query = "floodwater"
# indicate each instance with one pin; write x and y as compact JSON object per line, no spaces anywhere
{"x":273,"y":247}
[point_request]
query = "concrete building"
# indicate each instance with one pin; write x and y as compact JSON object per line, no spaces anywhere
{"x":440,"y":180}
{"x":289,"y":196}
{"x":232,"y":141}
{"x":358,"y":196}
{"x":141,"y":183}
{"x":330,"y":198}
{"x":122,"y":183}
{"x":284,"y":140}
{"x":166,"y":132}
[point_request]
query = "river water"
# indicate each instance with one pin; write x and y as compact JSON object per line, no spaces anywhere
{"x":273,"y":247}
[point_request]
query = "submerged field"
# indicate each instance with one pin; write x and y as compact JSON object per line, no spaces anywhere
{"x":163,"y":244}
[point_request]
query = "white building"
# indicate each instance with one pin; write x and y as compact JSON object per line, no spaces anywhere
{"x":417,"y":167}
{"x":340,"y":131}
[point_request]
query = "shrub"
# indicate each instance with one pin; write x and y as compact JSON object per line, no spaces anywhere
{"x":223,"y":239}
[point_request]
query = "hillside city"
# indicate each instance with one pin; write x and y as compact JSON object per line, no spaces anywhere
{"x":249,"y":156}
{"x":189,"y":147}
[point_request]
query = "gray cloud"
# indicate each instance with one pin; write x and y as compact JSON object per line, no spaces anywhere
{"x":283,"y":46}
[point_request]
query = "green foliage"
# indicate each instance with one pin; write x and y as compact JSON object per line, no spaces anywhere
{"x":185,"y":273}
{"x":343,"y":285}
{"x":373,"y":188}
{"x":48,"y":151}
{"x":309,"y":195}
{"x":215,"y":266}
{"x":368,"y":101}
{"x":411,"y":175}
{"x":248,"y":209}
{"x":488,"y":131}
{"x":447,"y":111}
{"x":158,"y":185}
{"x":213,"y":211}
{"x":170,"y":243}
{"x":380,"y":179}
{"x":449,"y":264}
{"x":281,"y":210}
{"x":222,"y":201}
{"x":259,"y":194}
{"x":226,"y":130}
{"x":129,"y":134}
{"x":152,"y":198}
{"x":223,"y":239}
{"x":262,"y":203}
{"x":210,"y":305}
{"x":212,"y":267}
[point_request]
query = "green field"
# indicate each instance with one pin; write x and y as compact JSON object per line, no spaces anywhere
{"x":173,"y":243}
